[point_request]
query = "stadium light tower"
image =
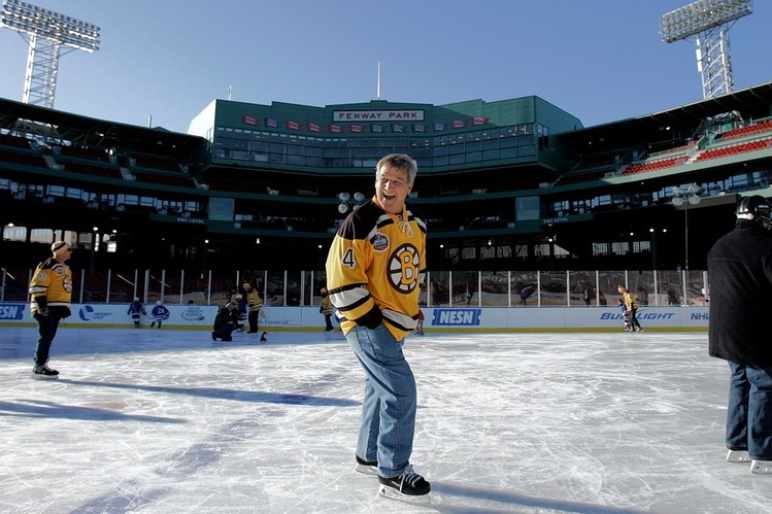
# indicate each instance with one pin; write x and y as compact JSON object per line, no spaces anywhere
{"x":709,"y":21}
{"x":46,"y":33}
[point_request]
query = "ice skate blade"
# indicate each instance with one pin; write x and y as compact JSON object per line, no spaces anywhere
{"x":392,"y":494}
{"x":738,"y":456}
{"x":366,"y":470}
{"x":761,"y":467}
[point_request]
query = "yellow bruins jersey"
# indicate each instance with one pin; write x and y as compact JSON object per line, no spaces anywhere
{"x":629,"y":301}
{"x":377,"y":259}
{"x":53,"y":281}
{"x":325,"y":307}
{"x":254,"y":301}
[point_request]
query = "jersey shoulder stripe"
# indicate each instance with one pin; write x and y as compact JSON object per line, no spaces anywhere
{"x":359,"y":223}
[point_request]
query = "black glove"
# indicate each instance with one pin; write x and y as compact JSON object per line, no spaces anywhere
{"x":372,"y":319}
{"x":42,"y":302}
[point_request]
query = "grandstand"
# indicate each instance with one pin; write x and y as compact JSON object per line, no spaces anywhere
{"x":512,"y":184}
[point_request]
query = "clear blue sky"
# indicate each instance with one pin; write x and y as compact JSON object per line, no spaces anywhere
{"x":601,"y":60}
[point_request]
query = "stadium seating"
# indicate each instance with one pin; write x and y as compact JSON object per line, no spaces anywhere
{"x":26,"y":158}
{"x":154,"y":162}
{"x":728,"y":151}
{"x":168,"y":179}
{"x":94,"y":168}
{"x":9,"y":140}
{"x":749,"y":130}
{"x":93,"y":154}
{"x":656,"y":165}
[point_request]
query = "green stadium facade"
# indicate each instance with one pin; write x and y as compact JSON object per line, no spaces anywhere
{"x":511,"y":184}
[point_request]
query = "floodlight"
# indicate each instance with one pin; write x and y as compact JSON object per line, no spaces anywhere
{"x":46,"y":33}
{"x":709,"y":21}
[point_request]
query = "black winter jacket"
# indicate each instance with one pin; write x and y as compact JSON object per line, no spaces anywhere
{"x":740,"y":280}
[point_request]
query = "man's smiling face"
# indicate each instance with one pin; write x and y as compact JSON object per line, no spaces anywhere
{"x":392,"y":186}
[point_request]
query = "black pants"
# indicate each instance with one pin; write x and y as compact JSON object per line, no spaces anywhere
{"x":634,"y":321}
{"x":47,"y":326}
{"x":224,"y":332}
{"x":253,"y":321}
{"x":328,"y":322}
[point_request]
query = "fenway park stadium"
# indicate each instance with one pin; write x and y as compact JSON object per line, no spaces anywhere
{"x":509,"y":189}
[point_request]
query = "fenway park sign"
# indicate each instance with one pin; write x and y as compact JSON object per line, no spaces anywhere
{"x":377,"y":115}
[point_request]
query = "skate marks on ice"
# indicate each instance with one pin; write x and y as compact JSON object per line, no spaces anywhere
{"x":230,"y":394}
{"x":47,"y":409}
{"x":168,"y":471}
{"x":456,"y":498}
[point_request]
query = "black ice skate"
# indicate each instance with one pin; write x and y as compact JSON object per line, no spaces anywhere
{"x":44,"y":371}
{"x":409,"y":483}
{"x":366,"y":467}
{"x":263,"y":338}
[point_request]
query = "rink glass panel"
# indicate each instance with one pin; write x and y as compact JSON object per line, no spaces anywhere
{"x":223,"y":285}
{"x":670,"y":288}
{"x":94,"y":287}
{"x":582,"y":284}
{"x":660,"y":288}
{"x":695,"y":287}
{"x":465,"y":288}
{"x":641,"y":284}
{"x":293,"y":289}
{"x":16,"y":284}
{"x":320,"y":281}
{"x":275,"y":288}
{"x":608,"y":282}
{"x":524,"y":288}
{"x":122,"y":286}
{"x":196,"y":288}
{"x":439,"y":284}
{"x":553,"y":288}
{"x":495,"y":289}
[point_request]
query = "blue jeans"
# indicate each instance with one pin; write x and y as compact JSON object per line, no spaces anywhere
{"x":749,"y":419}
{"x":389,"y":407}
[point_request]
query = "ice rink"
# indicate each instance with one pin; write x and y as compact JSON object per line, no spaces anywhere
{"x":170,"y":422}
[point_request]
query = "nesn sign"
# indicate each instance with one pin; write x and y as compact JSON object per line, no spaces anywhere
{"x":456,"y":317}
{"x":11,"y":311}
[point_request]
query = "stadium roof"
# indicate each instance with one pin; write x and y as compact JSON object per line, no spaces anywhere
{"x":754,"y":101}
{"x":91,"y":131}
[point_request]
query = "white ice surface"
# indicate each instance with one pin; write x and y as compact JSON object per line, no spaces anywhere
{"x":164,"y":422}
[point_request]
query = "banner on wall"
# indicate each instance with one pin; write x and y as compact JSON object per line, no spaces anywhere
{"x":441,"y":318}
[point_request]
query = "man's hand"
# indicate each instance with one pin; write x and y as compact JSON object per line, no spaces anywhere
{"x":372,"y":319}
{"x":43,"y":312}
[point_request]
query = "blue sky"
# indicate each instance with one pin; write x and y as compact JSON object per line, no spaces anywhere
{"x":601,"y":60}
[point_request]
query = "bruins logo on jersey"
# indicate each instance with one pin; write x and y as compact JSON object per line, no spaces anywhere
{"x":403,"y":268}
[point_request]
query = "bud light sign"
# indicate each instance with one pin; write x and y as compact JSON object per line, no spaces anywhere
{"x":456,"y":317}
{"x":11,"y":312}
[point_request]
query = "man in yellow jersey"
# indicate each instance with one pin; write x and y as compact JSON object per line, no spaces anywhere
{"x":375,"y":268}
{"x":50,"y":293}
{"x":254,"y":304}
{"x":631,"y":308}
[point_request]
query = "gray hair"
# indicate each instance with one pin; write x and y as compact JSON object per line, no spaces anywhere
{"x":399,"y":161}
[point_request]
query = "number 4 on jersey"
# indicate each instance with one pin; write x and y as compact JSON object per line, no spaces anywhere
{"x":348,"y":258}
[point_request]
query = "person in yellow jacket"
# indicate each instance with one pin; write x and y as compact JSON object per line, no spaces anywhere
{"x":326,"y":308}
{"x":254,"y":304}
{"x":375,"y":269}
{"x":631,"y":307}
{"x":50,"y":293}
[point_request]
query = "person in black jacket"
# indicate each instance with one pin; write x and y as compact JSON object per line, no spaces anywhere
{"x":223,"y":323}
{"x":740,"y":278}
